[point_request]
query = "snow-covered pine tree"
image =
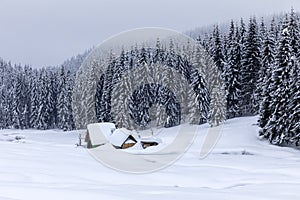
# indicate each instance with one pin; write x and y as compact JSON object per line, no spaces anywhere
{"x":277,"y":126}
{"x":175,"y":97}
{"x":293,"y":28}
{"x":160,"y":111}
{"x":10,"y":83}
{"x":34,"y":103}
{"x":197,"y":59}
{"x":293,"y":128}
{"x":162,"y":73}
{"x":153,"y":81}
{"x":90,"y":91}
{"x":193,"y":111}
{"x":173,"y":109}
{"x":105,"y":108}
{"x":27,"y":93}
{"x":52,"y":98}
{"x":121,"y":91}
{"x":99,"y":93}
{"x":42,"y":121}
{"x":119,"y":67}
{"x":2,"y":125}
{"x":171,"y":55}
{"x":143,"y":91}
{"x":64,"y":107}
{"x":18,"y":99}
{"x":293,"y":122}
{"x":21,"y":108}
{"x":262,"y":30}
{"x":243,"y":32}
{"x":265,"y":79}
{"x":225,"y":50}
{"x":2,"y":95}
{"x":133,"y":76}
{"x":187,"y":51}
{"x":77,"y":98}
{"x":217,"y":52}
{"x":217,"y":112}
{"x":235,"y":109}
{"x":262,"y":71}
{"x":249,"y":70}
{"x":61,"y":92}
{"x":69,"y":85}
{"x":182,"y":88}
{"x":208,"y":43}
{"x":231,"y":73}
{"x":202,"y":95}
{"x":120,"y":104}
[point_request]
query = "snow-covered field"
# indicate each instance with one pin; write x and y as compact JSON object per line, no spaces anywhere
{"x":48,"y":165}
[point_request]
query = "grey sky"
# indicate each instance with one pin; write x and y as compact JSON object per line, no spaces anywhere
{"x":46,"y":32}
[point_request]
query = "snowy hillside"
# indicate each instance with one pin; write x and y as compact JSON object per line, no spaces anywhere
{"x":48,"y":165}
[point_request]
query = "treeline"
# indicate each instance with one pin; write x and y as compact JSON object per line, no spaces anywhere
{"x":35,"y":98}
{"x":260,"y":67}
{"x":153,"y":86}
{"x":159,"y":86}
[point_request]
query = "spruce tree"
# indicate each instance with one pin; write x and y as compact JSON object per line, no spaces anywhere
{"x":69,"y":88}
{"x":293,"y":28}
{"x":217,"y":53}
{"x":27,"y":94}
{"x":294,"y":81}
{"x":34,"y":104}
{"x":217,"y":113}
{"x":231,"y":73}
{"x":277,"y":126}
{"x":293,"y":128}
{"x":42,"y":121}
{"x":249,"y":70}
{"x":265,"y":79}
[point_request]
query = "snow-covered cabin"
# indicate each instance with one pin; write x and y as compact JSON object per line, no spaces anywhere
{"x":98,"y":133}
{"x":122,"y":138}
{"x":149,"y":142}
{"x":101,"y":133}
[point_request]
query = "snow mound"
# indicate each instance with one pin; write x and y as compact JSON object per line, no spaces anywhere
{"x":12,"y":137}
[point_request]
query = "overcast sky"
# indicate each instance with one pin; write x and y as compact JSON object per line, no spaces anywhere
{"x":46,"y":32}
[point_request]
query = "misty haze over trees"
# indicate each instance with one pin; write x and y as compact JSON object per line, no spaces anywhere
{"x":257,"y":60}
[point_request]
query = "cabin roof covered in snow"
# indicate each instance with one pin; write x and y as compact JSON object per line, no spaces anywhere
{"x":99,"y":132}
{"x":119,"y":136}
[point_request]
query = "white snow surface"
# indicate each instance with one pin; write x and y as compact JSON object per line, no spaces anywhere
{"x":47,"y":165}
